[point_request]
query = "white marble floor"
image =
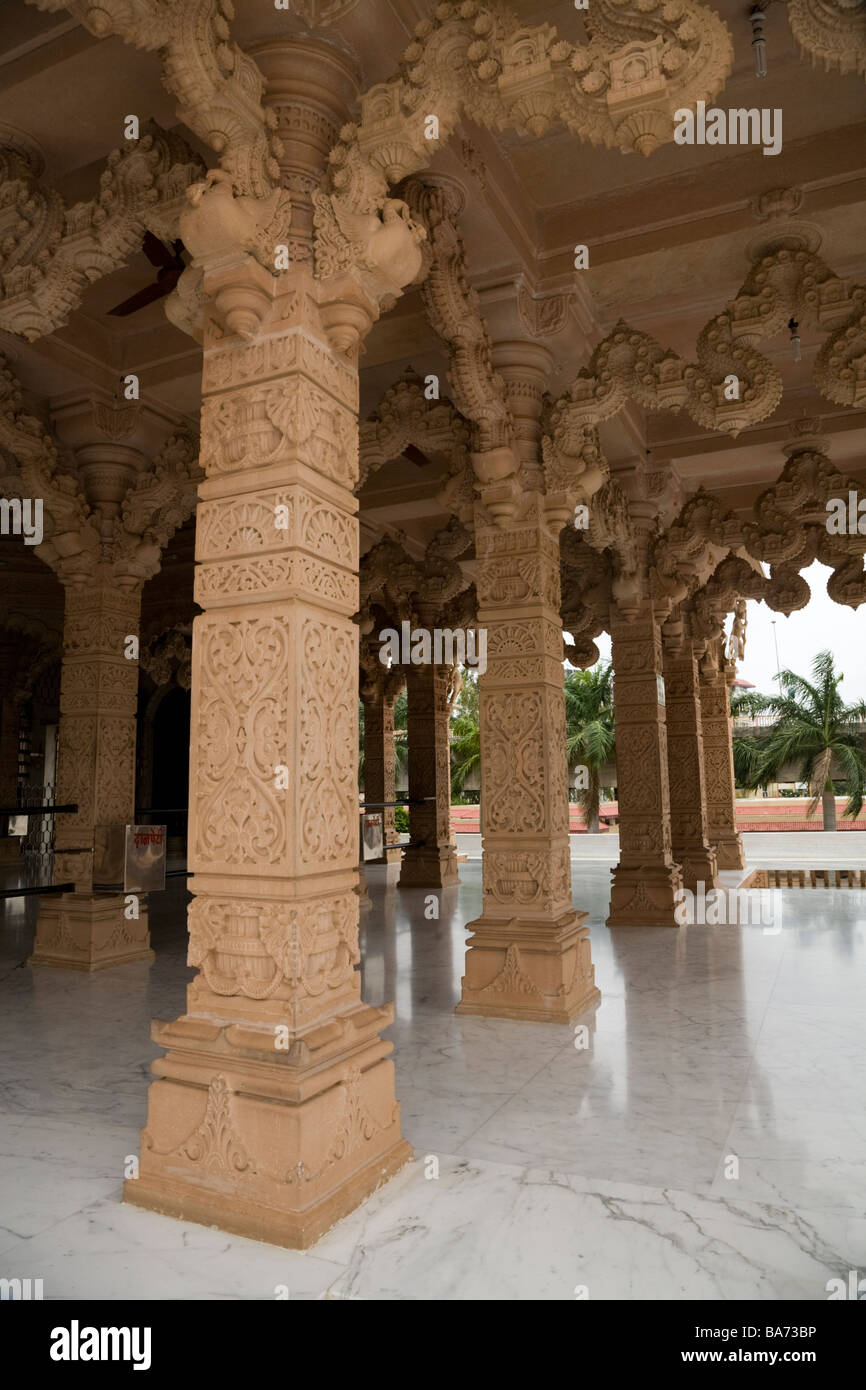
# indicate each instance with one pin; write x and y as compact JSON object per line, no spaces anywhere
{"x":708,"y":1143}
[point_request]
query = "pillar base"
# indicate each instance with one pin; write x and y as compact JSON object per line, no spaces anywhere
{"x":77,"y":931}
{"x":295,"y":1231}
{"x":730,"y":853}
{"x":539,"y":971}
{"x":699,"y":866}
{"x":276,"y":1146}
{"x":429,"y":868}
{"x":644,"y":897}
{"x":365,"y":902}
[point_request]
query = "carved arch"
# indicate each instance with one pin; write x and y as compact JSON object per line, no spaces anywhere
{"x":218,"y":86}
{"x":620,"y":90}
{"x":406,"y":416}
{"x":629,"y":364}
{"x":53,"y":252}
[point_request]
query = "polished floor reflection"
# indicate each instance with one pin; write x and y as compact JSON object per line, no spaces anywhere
{"x":704,"y":1138}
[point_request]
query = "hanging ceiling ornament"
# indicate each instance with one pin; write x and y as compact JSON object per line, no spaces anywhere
{"x":757,"y":16}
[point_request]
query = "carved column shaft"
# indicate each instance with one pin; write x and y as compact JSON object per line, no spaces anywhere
{"x":429,"y":860}
{"x":646,"y":879}
{"x":275,"y":1111}
{"x":529,"y":956}
{"x":719,"y":766}
{"x":379,"y":779}
{"x":690,"y":846}
{"x":95,"y":771}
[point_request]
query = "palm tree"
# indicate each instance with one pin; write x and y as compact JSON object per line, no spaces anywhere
{"x":746,"y":748}
{"x":465,"y":734}
{"x":815,"y":728}
{"x":590,"y":734}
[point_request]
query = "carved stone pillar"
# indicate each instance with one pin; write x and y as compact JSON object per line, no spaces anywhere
{"x":133,"y":487}
{"x":379,"y":762}
{"x":646,"y":879}
{"x":690,"y":846}
{"x":274,"y":1113}
{"x":529,"y":956}
{"x":276,"y":1144}
{"x":430,"y":858}
{"x":719,"y":763}
{"x":96,"y":771}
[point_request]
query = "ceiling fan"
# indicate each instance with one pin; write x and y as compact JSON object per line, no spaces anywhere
{"x":170,"y":266}
{"x":415,"y":456}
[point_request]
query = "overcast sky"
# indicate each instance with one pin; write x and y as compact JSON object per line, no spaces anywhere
{"x":821,"y":624}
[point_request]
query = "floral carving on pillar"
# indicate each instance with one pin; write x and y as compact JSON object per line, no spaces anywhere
{"x":646,"y":880}
{"x":429,"y":860}
{"x":717,"y":728}
{"x":379,"y":690}
{"x":529,"y":956}
{"x":690,"y":844}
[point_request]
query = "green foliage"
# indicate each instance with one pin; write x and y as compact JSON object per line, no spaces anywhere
{"x":401,"y":820}
{"x":465,"y":734}
{"x":590,"y":739}
{"x":813,"y":728}
{"x":589,"y":734}
{"x":401,"y":710}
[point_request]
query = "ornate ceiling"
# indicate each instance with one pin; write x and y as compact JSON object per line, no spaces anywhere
{"x":672,"y":234}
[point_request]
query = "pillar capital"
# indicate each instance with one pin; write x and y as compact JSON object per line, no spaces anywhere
{"x":312,"y":88}
{"x":525,"y":367}
{"x":523,"y":360}
{"x":100,"y":421}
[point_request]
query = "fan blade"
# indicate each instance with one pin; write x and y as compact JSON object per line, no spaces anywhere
{"x":415,"y":456}
{"x":149,"y":295}
{"x":157,"y":252}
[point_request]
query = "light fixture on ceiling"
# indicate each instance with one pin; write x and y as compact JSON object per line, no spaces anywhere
{"x":759,"y":43}
{"x":794,"y":326}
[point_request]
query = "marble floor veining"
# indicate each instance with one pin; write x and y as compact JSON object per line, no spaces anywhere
{"x":708,"y":1141}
